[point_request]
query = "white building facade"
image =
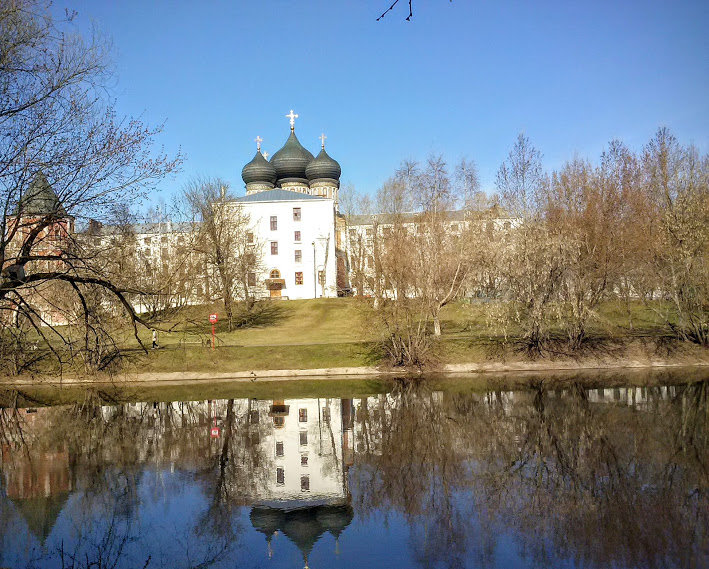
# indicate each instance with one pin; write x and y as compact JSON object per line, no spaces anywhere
{"x":295,"y":233}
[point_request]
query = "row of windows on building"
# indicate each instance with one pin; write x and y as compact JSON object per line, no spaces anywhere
{"x":274,"y":218}
{"x":454,"y":227}
{"x":298,"y":253}
{"x":302,"y":440}
{"x":296,"y":238}
{"x":276,"y":274}
{"x":304,"y":479}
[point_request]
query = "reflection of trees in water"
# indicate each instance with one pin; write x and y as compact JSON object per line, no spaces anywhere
{"x":600,"y":483}
{"x":564,"y":474}
{"x":108,"y":448}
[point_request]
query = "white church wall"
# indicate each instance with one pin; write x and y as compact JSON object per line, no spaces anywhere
{"x":316,"y":244}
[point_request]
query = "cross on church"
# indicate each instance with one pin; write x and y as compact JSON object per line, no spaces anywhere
{"x":258,"y":141}
{"x":322,"y":138}
{"x":292,"y":116}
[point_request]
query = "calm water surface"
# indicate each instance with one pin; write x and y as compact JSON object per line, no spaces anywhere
{"x":413,"y":477}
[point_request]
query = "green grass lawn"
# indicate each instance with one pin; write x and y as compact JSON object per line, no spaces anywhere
{"x":294,"y":322}
{"x":339,"y":332}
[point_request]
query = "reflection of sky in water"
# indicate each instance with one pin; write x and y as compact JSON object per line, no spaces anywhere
{"x":166,"y":527}
{"x":391,"y":509}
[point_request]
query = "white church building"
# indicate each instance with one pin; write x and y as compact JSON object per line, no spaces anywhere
{"x":291,"y":202}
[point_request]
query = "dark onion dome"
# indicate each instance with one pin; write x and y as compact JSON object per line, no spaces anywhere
{"x":323,"y":167}
{"x":291,"y":160}
{"x":258,"y":170}
{"x":40,"y":199}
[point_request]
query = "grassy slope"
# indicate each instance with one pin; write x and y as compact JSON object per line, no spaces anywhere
{"x":342,"y":332}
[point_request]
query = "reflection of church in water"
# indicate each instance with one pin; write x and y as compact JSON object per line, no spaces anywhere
{"x":304,"y":494}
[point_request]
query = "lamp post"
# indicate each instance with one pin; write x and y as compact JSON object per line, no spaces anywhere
{"x":315,"y":275}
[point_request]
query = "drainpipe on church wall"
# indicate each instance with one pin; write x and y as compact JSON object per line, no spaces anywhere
{"x":315,"y":275}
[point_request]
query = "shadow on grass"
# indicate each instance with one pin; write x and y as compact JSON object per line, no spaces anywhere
{"x":263,"y":313}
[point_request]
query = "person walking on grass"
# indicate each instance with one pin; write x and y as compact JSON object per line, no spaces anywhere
{"x":155,"y":339}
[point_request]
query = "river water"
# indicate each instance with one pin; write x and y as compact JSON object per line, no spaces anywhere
{"x":396,"y":475}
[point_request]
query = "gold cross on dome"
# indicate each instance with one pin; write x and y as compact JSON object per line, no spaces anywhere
{"x":292,"y":116}
{"x":322,"y":138}
{"x":258,"y":140}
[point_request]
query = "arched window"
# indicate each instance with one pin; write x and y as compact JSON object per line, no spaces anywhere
{"x":275,"y":274}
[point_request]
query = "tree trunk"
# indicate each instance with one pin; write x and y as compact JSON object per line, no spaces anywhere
{"x":436,"y":325}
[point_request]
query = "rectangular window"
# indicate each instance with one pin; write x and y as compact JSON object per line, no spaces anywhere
{"x":280,"y":476}
{"x":321,"y":278}
{"x":249,"y":237}
{"x":274,"y":223}
{"x":279,"y":448}
{"x":304,"y":483}
{"x":147,"y":240}
{"x":296,"y":236}
{"x":303,"y":460}
{"x":454,"y":227}
{"x":303,"y":438}
{"x":353,"y":234}
{"x":299,"y":278}
{"x":296,"y":214}
{"x":326,"y":414}
{"x":298,"y":256}
{"x":274,"y":247}
{"x":253,"y":417}
{"x":303,"y":415}
{"x":370,"y":231}
{"x":251,"y":279}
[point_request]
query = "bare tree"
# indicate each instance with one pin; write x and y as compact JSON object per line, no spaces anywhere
{"x":227,"y":242}
{"x":676,"y":183}
{"x":530,"y":264}
{"x":65,"y":157}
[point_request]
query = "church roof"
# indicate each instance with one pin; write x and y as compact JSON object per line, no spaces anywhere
{"x":323,"y":166}
{"x":277,"y":195}
{"x":258,"y":170}
{"x":40,"y":199}
{"x":291,"y":160}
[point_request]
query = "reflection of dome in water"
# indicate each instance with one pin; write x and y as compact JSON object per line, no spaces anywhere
{"x":266,"y":520}
{"x":335,"y":518}
{"x":303,"y":529}
{"x":305,"y":526}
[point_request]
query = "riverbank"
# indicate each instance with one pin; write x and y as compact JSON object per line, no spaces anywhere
{"x":461,"y":370}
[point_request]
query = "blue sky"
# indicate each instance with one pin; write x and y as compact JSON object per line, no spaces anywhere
{"x":461,"y":79}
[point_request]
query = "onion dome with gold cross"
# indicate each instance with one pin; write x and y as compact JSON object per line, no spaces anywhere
{"x":291,"y":160}
{"x":259,"y":174}
{"x":323,"y":167}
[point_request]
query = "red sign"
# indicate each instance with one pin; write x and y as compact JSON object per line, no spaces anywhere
{"x":213,"y":318}
{"x":215,"y":431}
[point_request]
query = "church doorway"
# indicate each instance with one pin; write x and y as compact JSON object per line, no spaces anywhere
{"x":275,"y":283}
